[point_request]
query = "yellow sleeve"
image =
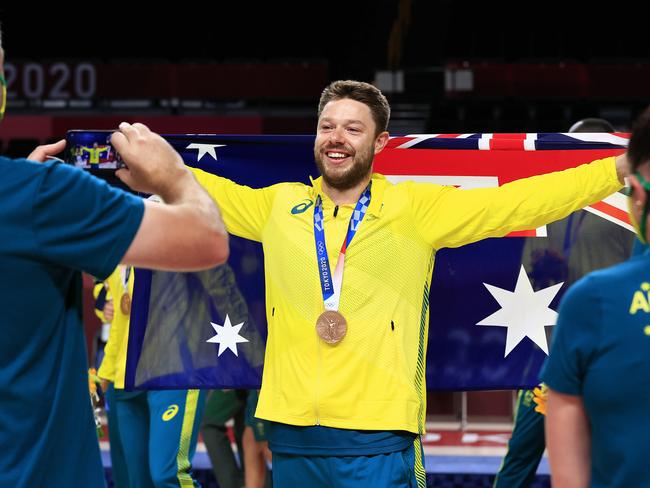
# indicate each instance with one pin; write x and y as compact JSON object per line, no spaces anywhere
{"x":244,"y":210}
{"x":107,"y":368}
{"x":96,"y":290}
{"x":85,"y":149}
{"x":451,"y":217}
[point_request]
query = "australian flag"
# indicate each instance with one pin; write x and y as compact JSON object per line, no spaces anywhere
{"x":492,"y":303}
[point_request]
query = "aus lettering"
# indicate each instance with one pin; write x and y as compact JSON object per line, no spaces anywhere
{"x":641,"y":299}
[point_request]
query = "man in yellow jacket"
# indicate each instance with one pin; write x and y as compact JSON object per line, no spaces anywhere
{"x":94,"y":153}
{"x":348,"y":262}
{"x":157,"y":430}
{"x":105,"y":310}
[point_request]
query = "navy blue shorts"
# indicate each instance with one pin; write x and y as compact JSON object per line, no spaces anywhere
{"x":396,"y":469}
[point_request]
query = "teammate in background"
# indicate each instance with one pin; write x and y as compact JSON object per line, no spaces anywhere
{"x":105,"y":310}
{"x":79,"y":158}
{"x":257,"y":455}
{"x":599,"y":367}
{"x":250,"y":432}
{"x":158,"y":430}
{"x":575,"y":246}
{"x":222,"y":406}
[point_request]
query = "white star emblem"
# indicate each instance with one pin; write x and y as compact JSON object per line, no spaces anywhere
{"x":524,"y":312}
{"x":227,"y":336}
{"x":205,"y":149}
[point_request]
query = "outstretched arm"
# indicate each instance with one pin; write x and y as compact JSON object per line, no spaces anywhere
{"x":450,"y":217}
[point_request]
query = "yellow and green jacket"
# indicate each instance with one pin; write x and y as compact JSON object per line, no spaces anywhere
{"x":374,"y":378}
{"x":113,"y":367}
{"x":94,"y":153}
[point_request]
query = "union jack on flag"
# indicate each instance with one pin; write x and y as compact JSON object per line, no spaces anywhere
{"x":513,"y":156}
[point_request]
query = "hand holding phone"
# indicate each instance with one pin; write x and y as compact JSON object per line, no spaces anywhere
{"x":92,"y":151}
{"x":47,"y":151}
{"x":154,"y":166}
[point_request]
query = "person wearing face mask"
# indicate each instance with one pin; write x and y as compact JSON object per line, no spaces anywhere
{"x":598,"y":370}
{"x":574,"y":246}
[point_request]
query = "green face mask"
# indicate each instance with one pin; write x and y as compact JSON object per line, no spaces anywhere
{"x":3,"y":96}
{"x":640,"y":227}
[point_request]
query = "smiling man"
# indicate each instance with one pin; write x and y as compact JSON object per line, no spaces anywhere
{"x":349,"y":134}
{"x":347,"y":288}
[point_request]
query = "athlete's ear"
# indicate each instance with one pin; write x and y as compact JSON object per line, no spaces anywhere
{"x":381,"y":141}
{"x":636,"y":191}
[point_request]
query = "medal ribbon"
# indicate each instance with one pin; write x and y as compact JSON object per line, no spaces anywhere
{"x":126,"y":272}
{"x":331,"y":285}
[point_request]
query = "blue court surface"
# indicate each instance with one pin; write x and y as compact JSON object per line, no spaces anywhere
{"x":452,"y":460}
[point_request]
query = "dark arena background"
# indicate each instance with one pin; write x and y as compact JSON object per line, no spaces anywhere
{"x":446,"y":68}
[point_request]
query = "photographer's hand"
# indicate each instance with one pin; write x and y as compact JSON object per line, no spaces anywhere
{"x":186,"y":231}
{"x":153,"y":164}
{"x":46,"y":151}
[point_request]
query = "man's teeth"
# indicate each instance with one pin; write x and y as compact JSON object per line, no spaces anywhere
{"x":336,"y":155}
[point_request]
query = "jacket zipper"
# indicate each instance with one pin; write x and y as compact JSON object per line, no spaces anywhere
{"x":320,"y":350}
{"x":318,"y":380}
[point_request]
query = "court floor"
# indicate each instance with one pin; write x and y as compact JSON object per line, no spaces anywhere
{"x":453,"y":457}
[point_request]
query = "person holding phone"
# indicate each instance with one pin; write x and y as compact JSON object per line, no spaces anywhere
{"x":56,"y":221}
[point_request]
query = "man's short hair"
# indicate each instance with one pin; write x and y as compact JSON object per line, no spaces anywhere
{"x":361,"y":92}
{"x":638,"y":149}
{"x":592,"y":125}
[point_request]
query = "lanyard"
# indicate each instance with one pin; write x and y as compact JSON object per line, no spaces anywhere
{"x":331,"y":285}
{"x":126,"y":272}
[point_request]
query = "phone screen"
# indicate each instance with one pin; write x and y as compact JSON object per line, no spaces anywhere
{"x":91,"y":150}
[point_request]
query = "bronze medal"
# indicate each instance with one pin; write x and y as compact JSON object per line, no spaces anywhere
{"x":125,"y":304}
{"x":331,"y":326}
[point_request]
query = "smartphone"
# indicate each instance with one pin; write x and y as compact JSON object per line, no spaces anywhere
{"x":92,"y":151}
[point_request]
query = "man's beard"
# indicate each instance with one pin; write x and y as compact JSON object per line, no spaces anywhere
{"x":359,"y":171}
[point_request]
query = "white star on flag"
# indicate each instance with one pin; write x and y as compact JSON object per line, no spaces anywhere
{"x":205,"y":149}
{"x":227,"y":336}
{"x":524,"y":312}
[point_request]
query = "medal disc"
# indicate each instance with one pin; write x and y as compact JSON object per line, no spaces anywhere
{"x":125,"y":304}
{"x":331,"y":326}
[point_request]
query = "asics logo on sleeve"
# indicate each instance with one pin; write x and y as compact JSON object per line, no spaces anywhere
{"x":301,"y":207}
{"x":170,"y":413}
